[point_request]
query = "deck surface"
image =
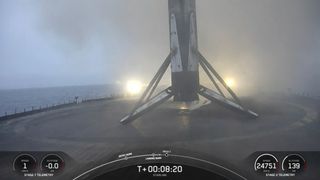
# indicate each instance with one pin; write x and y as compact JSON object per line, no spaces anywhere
{"x":89,"y":132}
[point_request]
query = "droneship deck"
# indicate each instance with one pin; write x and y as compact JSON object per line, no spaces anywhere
{"x":90,"y":132}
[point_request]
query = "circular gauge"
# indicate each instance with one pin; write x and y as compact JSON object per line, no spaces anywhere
{"x":266,"y":163}
{"x":52,"y":163}
{"x":293,"y":163}
{"x":24,"y":163}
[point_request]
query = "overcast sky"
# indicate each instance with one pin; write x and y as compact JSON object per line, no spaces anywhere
{"x":262,"y":44}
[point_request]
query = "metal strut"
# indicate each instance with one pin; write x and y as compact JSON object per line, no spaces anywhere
{"x":204,"y":67}
{"x":213,"y":96}
{"x":220,"y":98}
{"x":153,"y":83}
{"x":214,"y":72}
{"x":152,"y":103}
{"x":146,"y":102}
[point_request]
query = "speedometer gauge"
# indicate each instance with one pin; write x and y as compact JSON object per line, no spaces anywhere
{"x":266,"y":163}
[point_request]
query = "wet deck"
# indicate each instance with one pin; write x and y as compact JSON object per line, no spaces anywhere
{"x":91,"y":131}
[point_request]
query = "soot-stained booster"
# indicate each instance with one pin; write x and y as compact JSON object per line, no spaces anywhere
{"x":184,"y":42}
{"x":185,"y":60}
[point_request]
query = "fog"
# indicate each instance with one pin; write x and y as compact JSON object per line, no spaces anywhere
{"x":264,"y":45}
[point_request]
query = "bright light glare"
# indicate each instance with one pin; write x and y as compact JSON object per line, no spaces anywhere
{"x":230,"y":82}
{"x":133,"y":87}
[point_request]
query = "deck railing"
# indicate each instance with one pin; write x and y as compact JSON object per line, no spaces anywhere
{"x":39,"y":109}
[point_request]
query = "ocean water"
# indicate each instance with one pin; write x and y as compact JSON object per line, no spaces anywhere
{"x":18,"y":100}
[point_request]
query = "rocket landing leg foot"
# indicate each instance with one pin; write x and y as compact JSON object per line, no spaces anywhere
{"x":213,"y":96}
{"x":150,"y":104}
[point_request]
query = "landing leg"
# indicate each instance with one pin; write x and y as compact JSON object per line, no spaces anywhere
{"x":215,"y":97}
{"x":150,"y":104}
{"x":146,"y":102}
{"x":234,"y":104}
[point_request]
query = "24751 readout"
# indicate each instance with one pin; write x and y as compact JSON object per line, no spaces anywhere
{"x":160,"y":169}
{"x":266,"y":163}
{"x":266,"y":166}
